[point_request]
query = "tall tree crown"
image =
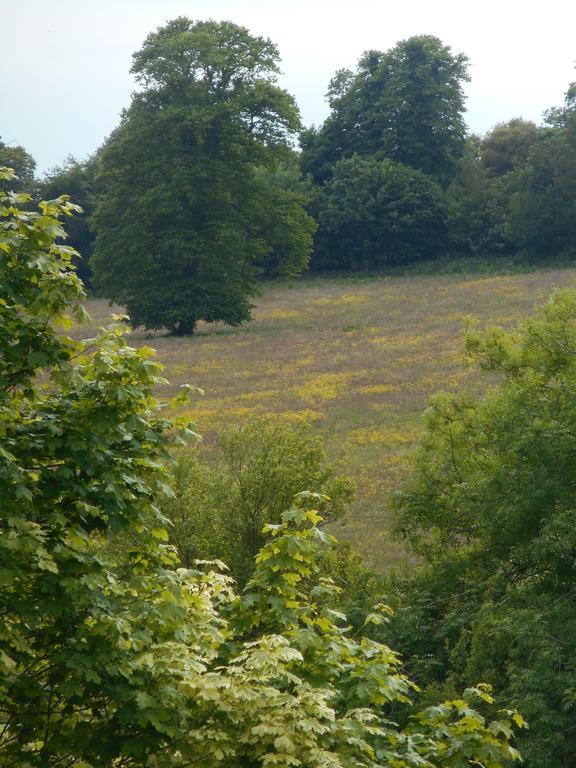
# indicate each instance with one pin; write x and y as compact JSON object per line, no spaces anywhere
{"x":405,"y":104}
{"x":221,"y":53}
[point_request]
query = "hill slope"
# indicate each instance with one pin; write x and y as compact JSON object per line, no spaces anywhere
{"x":355,"y":358}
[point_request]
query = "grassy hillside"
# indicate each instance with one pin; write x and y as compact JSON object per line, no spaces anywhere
{"x":355,"y":358}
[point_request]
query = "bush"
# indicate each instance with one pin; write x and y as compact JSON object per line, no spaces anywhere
{"x":219,"y":508}
{"x":377,"y":213}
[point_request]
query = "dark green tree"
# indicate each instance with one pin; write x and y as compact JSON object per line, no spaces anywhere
{"x":377,"y":213}
{"x":280,"y":215}
{"x":543,"y":210}
{"x":183,"y":224}
{"x":405,"y":105}
{"x":507,"y":146}
{"x":478,"y":205}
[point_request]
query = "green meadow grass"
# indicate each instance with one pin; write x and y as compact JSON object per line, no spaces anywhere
{"x":356,"y":359}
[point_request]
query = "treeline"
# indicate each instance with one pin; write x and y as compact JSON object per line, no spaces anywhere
{"x":397,"y":179}
{"x":200,"y":193}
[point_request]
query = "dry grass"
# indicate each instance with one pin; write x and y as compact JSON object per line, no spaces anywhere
{"x":356,"y":359}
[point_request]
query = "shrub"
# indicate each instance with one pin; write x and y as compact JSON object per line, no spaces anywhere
{"x":377,"y":213}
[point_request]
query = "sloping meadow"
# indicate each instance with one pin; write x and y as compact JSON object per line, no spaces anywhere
{"x":356,"y":359}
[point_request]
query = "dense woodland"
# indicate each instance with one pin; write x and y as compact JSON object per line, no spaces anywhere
{"x":161,"y":609}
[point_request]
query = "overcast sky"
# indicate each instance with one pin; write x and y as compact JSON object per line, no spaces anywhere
{"x":64,"y":63}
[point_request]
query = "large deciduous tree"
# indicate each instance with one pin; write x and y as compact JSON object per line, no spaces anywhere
{"x":183,"y":225}
{"x":405,"y":104}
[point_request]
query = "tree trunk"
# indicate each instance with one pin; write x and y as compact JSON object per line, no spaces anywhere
{"x":184,"y":328}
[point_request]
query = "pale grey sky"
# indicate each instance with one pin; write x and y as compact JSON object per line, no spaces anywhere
{"x":64,"y":63}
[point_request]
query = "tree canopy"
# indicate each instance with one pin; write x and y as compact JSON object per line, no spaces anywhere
{"x":185,"y":214}
{"x":543,"y":209}
{"x":514,"y":189}
{"x":405,"y":104}
{"x":507,"y":146}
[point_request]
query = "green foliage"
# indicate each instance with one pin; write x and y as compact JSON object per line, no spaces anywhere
{"x":405,"y":105}
{"x":375,"y":213}
{"x":136,"y":663}
{"x":507,"y":146}
{"x":514,"y":190}
{"x":478,"y":202}
{"x":365,"y":676}
{"x":187,"y":221}
{"x":543,"y":211}
{"x":84,"y":653}
{"x":360,"y":588}
{"x":22,"y":163}
{"x":76,"y":179}
{"x":491,"y":509}
{"x":219,"y":508}
{"x":381,"y":159}
{"x":281,"y":216}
